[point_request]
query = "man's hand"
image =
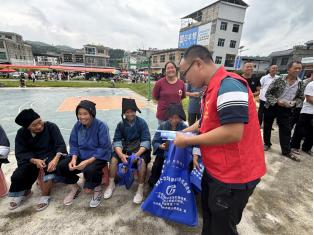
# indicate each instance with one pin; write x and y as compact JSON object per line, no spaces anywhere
{"x":39,"y":163}
{"x":195,"y":162}
{"x":180,"y":140}
{"x":281,"y":103}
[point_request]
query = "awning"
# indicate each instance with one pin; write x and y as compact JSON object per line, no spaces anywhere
{"x":5,"y":70}
{"x":59,"y":68}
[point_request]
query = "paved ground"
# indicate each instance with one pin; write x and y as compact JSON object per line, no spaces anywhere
{"x":281,"y":204}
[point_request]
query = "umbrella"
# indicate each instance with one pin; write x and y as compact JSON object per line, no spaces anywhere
{"x":7,"y":70}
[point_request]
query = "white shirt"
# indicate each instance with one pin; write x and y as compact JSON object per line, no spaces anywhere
{"x":307,"y":107}
{"x":265,"y":82}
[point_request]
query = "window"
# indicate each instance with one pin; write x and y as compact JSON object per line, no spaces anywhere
{"x":172,"y":57}
{"x":79,"y":59}
{"x":101,"y":51}
{"x":68,"y":58}
{"x":162,"y":58}
{"x":182,"y":54}
{"x":235,"y":28}
{"x":218,"y":60}
{"x":284,"y":61}
{"x":8,"y":37}
{"x":229,"y":62}
{"x":233,"y":44}
{"x":223,"y":26}
{"x":274,"y":61}
{"x":90,"y":50}
{"x":3,"y":56}
{"x":221,"y":42}
{"x":154,"y":59}
{"x":1,"y":44}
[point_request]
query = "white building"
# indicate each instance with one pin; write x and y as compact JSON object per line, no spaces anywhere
{"x":218,"y":27}
{"x":13,"y":50}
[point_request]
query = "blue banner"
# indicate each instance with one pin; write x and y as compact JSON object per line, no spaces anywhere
{"x":188,"y":38}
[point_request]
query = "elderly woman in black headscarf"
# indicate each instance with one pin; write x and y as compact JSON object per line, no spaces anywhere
{"x":39,"y":146}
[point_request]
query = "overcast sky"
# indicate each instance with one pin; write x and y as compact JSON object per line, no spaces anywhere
{"x":131,"y":24}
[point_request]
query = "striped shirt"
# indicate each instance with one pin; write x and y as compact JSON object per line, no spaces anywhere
{"x":232,"y":101}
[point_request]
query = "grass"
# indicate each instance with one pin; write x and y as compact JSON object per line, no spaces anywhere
{"x":140,"y":88}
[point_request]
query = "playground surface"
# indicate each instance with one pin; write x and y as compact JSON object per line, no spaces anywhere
{"x":281,"y":203}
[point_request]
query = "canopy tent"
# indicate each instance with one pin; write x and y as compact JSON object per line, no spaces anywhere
{"x":5,"y":70}
{"x":59,"y":68}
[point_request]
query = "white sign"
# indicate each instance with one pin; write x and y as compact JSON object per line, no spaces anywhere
{"x":204,"y":34}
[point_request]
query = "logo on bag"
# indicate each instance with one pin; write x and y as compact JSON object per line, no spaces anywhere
{"x":170,"y":190}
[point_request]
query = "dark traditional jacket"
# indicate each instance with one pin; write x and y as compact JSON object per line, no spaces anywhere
{"x":43,"y":145}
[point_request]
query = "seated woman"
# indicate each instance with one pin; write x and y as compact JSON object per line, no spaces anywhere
{"x":176,"y":117}
{"x":90,"y":150}
{"x":38,"y":146}
{"x":131,"y":136}
{"x":4,"y":147}
{"x":4,"y":152}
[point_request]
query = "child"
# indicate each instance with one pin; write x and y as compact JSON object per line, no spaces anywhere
{"x":175,"y":122}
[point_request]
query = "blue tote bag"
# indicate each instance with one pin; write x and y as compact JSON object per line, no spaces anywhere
{"x":172,"y":198}
{"x":125,"y":171}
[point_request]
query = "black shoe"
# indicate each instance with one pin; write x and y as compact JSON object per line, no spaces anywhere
{"x":266,"y":147}
{"x":292,"y":156}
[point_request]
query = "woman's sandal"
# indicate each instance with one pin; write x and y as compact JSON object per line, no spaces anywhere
{"x":43,"y":203}
{"x":17,"y":201}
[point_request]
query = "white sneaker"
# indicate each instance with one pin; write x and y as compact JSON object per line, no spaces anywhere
{"x":138,"y":198}
{"x":109,"y":191}
{"x":96,"y":199}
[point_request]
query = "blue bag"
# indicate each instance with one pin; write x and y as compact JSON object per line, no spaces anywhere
{"x":126,"y":171}
{"x":172,"y":197}
{"x":196,"y":177}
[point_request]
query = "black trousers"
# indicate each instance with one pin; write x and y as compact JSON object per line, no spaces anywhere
{"x":156,"y":170}
{"x":283,"y":116}
{"x":222,"y":207}
{"x":193,"y":117}
{"x":261,"y":111}
{"x":92,"y":173}
{"x":295,"y":116}
{"x":303,"y":128}
{"x":25,"y":176}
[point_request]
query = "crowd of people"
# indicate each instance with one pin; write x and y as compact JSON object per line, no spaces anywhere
{"x":222,"y":113}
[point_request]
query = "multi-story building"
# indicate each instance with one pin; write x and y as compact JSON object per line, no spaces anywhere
{"x":89,"y":56}
{"x":260,"y":64}
{"x":282,"y":58}
{"x":161,"y":57}
{"x":96,"y":55}
{"x":138,"y":60}
{"x":73,"y":59}
{"x":13,"y":50}
{"x":218,"y":27}
{"x":48,"y":59}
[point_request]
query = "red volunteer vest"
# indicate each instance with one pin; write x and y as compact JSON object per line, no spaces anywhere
{"x":240,"y":162}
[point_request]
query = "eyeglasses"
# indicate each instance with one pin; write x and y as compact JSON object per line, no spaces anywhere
{"x":183,"y":74}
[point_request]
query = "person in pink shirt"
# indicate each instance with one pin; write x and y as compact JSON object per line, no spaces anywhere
{"x":168,"y":90}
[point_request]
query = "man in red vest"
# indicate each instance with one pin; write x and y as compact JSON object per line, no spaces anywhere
{"x":229,"y":138}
